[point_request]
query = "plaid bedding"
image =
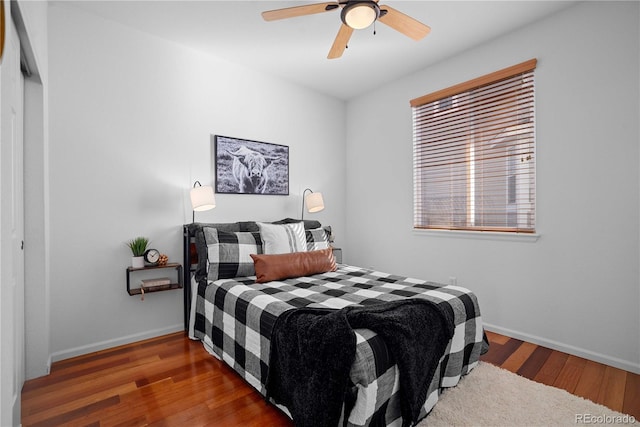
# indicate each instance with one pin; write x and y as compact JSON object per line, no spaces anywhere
{"x":234,"y":319}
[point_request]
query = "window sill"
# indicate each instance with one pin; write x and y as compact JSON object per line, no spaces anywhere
{"x":479,"y":235}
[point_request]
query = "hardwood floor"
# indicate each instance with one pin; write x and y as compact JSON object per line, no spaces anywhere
{"x":173,"y":381}
{"x":606,"y":385}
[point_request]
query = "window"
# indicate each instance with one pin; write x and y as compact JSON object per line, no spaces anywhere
{"x":474,"y":154}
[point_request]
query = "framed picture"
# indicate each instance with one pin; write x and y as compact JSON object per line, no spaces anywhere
{"x":243,"y":166}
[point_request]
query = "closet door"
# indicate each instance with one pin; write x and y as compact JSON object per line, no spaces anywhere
{"x":12,"y":322}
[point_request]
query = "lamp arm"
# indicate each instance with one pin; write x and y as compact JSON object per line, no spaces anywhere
{"x":303,"y":194}
{"x":193,"y":213}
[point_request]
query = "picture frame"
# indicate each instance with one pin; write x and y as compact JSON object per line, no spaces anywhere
{"x":244,"y":166}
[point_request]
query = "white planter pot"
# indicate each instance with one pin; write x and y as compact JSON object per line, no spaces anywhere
{"x":137,"y":261}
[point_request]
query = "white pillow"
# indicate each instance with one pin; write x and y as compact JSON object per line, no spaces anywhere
{"x":283,"y":238}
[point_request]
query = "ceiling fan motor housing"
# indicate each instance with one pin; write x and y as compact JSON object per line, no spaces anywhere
{"x":360,"y":14}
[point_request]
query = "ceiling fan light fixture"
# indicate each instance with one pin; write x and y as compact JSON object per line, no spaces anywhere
{"x":360,"y":14}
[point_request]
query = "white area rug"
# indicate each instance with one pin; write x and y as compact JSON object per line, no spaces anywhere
{"x":491,"y":396}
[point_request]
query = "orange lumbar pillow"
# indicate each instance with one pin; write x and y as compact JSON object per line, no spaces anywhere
{"x":296,"y":264}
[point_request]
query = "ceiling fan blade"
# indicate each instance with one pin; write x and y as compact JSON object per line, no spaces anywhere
{"x":341,"y":41}
{"x":403,"y":23}
{"x":292,"y":12}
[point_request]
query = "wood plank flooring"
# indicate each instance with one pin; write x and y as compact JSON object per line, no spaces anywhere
{"x":173,"y":381}
{"x":606,"y":385}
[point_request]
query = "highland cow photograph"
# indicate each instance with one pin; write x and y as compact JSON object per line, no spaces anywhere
{"x":250,"y":167}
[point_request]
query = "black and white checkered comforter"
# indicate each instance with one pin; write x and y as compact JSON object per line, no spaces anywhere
{"x":234,"y":319}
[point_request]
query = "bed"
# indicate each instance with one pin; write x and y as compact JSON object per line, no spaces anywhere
{"x":234,"y":316}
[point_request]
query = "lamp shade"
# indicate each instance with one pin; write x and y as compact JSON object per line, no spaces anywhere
{"x":360,"y":15}
{"x":202,"y":198}
{"x":314,"y":202}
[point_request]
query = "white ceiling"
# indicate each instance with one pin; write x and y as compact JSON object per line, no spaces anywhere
{"x":296,"y":48}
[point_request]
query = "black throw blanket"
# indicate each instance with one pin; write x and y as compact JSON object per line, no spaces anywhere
{"x":312,"y":351}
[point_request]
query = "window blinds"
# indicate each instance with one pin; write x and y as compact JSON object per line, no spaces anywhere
{"x":474,"y":154}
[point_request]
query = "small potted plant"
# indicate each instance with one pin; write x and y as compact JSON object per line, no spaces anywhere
{"x":138,"y":246}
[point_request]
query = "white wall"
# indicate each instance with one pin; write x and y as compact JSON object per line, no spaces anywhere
{"x":577,"y":287}
{"x":131,"y":119}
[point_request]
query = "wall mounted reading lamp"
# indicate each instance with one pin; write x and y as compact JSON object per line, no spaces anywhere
{"x":202,"y":198}
{"x":314,"y":202}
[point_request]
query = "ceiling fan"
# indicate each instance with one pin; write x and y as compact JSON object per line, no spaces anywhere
{"x":355,"y":15}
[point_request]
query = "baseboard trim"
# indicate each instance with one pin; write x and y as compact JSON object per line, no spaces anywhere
{"x":576,"y":351}
{"x":102,"y":345}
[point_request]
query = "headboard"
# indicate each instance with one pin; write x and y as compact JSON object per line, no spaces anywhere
{"x":190,"y":252}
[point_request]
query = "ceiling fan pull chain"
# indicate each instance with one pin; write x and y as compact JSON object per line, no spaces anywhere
{"x":374,"y":28}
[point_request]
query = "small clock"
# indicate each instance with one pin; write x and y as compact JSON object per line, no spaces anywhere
{"x":152,"y":256}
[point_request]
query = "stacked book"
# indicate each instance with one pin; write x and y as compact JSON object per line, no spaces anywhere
{"x":151,"y":283}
